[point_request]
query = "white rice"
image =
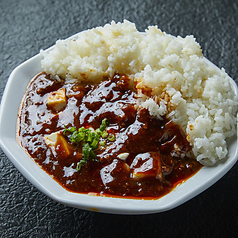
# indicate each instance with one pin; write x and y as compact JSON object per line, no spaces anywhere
{"x":185,"y":86}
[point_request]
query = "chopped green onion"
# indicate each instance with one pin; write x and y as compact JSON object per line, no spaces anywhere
{"x":77,"y":137}
{"x":94,"y":144}
{"x":104,"y":134}
{"x":98,"y":131}
{"x":82,"y":130}
{"x":111,"y":137}
{"x":80,"y":164}
{"x":89,"y":135}
{"x":89,"y":140}
{"x":102,"y":142}
{"x":92,"y":154}
{"x":86,"y":151}
{"x":103,"y":125}
{"x":68,"y":131}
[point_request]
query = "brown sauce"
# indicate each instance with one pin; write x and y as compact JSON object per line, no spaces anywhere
{"x":159,"y":156}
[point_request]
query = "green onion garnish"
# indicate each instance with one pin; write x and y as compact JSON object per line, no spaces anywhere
{"x":89,"y":140}
{"x":103,"y":125}
{"x":102,"y":142}
{"x":111,"y":137}
{"x":104,"y":134}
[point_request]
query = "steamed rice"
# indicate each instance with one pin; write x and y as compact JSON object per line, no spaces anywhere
{"x":185,"y":86}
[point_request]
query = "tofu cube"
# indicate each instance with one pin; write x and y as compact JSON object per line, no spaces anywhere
{"x":51,"y":139}
{"x":58,"y":144}
{"x":62,"y":147}
{"x":56,"y":100}
{"x":146,"y":165}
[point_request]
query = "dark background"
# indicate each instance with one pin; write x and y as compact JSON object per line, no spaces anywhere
{"x":27,"y":26}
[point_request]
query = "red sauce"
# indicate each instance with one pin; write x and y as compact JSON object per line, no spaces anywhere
{"x":159,"y":156}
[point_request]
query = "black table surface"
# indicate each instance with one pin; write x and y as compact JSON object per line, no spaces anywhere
{"x":27,"y":26}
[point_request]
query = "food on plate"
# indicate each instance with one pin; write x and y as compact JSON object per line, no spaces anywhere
{"x":124,"y":113}
{"x":102,"y":141}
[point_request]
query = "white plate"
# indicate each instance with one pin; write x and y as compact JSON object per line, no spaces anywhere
{"x":14,"y":91}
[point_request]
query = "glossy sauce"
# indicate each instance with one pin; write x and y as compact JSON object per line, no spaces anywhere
{"x":158,"y":154}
